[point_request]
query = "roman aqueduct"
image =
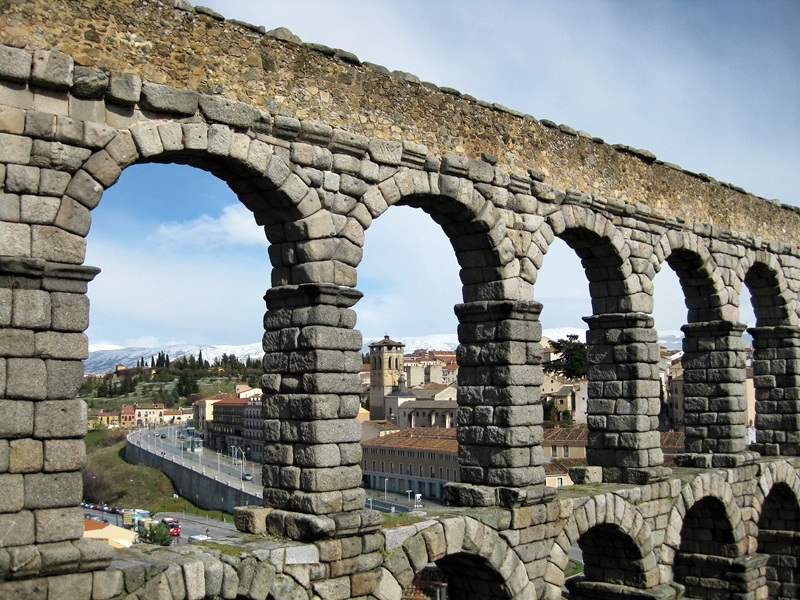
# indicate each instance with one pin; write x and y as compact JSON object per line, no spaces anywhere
{"x":317,"y":145}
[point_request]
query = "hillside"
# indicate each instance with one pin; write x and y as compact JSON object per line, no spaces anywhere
{"x":104,"y":358}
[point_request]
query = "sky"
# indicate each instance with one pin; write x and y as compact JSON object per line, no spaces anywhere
{"x":711,"y":86}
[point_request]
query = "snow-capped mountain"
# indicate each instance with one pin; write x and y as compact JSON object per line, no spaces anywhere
{"x":105,"y":357}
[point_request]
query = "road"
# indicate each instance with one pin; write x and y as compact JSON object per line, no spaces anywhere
{"x":204,"y":460}
{"x":190,"y":524}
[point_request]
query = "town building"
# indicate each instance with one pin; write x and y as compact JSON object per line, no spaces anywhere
{"x":413,"y":461}
{"x":233,"y":423}
{"x":570,"y":442}
{"x":203,"y":410}
{"x":253,"y":427}
{"x":386,"y":365}
{"x":556,"y":471}
{"x":103,"y":419}
{"x":149,"y":415}
{"x":225,"y":432}
{"x":371,"y":429}
{"x":178,"y":416}
{"x":127,"y":416}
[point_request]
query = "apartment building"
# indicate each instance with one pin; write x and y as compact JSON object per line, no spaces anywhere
{"x":417,"y":461}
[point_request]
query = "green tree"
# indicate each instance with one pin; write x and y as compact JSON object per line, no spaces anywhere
{"x":156,"y":533}
{"x":572,"y":362}
{"x":187,"y":384}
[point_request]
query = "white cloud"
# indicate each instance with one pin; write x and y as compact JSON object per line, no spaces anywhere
{"x":233,"y":227}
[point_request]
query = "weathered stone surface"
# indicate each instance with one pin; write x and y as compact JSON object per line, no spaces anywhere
{"x":15,"y":64}
{"x":17,"y":529}
{"x":168,"y":99}
{"x":222,"y":110}
{"x":64,"y":455}
{"x":60,"y":418}
{"x":52,"y":69}
{"x":59,"y":524}
{"x":26,"y":378}
{"x":27,"y":456}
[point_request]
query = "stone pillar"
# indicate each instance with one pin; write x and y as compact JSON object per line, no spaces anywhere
{"x":714,"y":408}
{"x":776,"y":374}
{"x":710,"y":576}
{"x":624,"y":398}
{"x":499,"y":406}
{"x":783,"y":566}
{"x":43,"y":313}
{"x":312,"y":440}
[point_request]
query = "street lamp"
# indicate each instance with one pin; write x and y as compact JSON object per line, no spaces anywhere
{"x":385,"y":488}
{"x":409,"y":492}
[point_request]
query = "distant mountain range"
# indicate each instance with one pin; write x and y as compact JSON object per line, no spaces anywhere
{"x":105,"y":357}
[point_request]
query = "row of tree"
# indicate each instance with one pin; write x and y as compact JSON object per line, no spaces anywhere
{"x":229,"y":363}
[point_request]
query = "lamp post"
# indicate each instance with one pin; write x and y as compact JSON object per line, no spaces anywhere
{"x":385,"y":488}
{"x":409,"y":496}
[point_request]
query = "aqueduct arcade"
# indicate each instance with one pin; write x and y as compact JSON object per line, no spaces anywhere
{"x":317,"y":145}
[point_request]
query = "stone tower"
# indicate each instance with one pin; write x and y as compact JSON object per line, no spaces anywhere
{"x":386,"y":364}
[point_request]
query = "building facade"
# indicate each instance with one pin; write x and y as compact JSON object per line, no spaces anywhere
{"x":386,"y":365}
{"x":421,"y":460}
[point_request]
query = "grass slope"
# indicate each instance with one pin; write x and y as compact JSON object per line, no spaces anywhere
{"x":133,"y":486}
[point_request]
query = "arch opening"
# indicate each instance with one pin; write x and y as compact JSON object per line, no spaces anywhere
{"x":177,"y":250}
{"x":779,"y":537}
{"x":471,"y":577}
{"x":707,"y":390}
{"x":409,"y":277}
{"x":707,"y":550}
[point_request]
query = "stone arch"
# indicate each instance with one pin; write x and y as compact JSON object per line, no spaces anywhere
{"x":776,"y":356}
{"x":706,"y":535}
{"x":771,"y":475}
{"x":704,"y":291}
{"x":622,"y":346}
{"x":478,"y":562}
{"x":627,"y":543}
{"x":778,"y":519}
{"x":309,"y":243}
{"x":614,"y":287}
{"x":475,"y":227}
{"x":700,"y":486}
{"x":773,"y":301}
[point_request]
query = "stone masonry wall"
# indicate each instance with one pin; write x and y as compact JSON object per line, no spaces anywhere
{"x":195,"y":48}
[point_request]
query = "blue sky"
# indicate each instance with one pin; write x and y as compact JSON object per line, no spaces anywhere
{"x":712,"y":86}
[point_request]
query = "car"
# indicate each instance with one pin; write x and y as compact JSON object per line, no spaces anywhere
{"x":173,"y":525}
{"x":247,"y":477}
{"x":163,"y":436}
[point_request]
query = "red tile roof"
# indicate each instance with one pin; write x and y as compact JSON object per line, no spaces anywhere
{"x":442,"y":439}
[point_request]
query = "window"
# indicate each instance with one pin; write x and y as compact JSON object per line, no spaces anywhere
{"x":560,"y":482}
{"x":383,"y":467}
{"x":401,"y":469}
{"x":440,"y":472}
{"x":448,"y":474}
{"x":554,"y":451}
{"x":421,"y":472}
{"x":566,"y":451}
{"x":433,"y":474}
{"x":373,"y":465}
{"x":391,"y":467}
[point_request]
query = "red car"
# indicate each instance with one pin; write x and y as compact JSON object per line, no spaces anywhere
{"x":173,"y":525}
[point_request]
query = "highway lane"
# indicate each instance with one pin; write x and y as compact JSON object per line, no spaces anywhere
{"x":190,"y":524}
{"x":205,"y":461}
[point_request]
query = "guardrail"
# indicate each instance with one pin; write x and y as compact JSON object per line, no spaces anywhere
{"x":206,"y":489}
